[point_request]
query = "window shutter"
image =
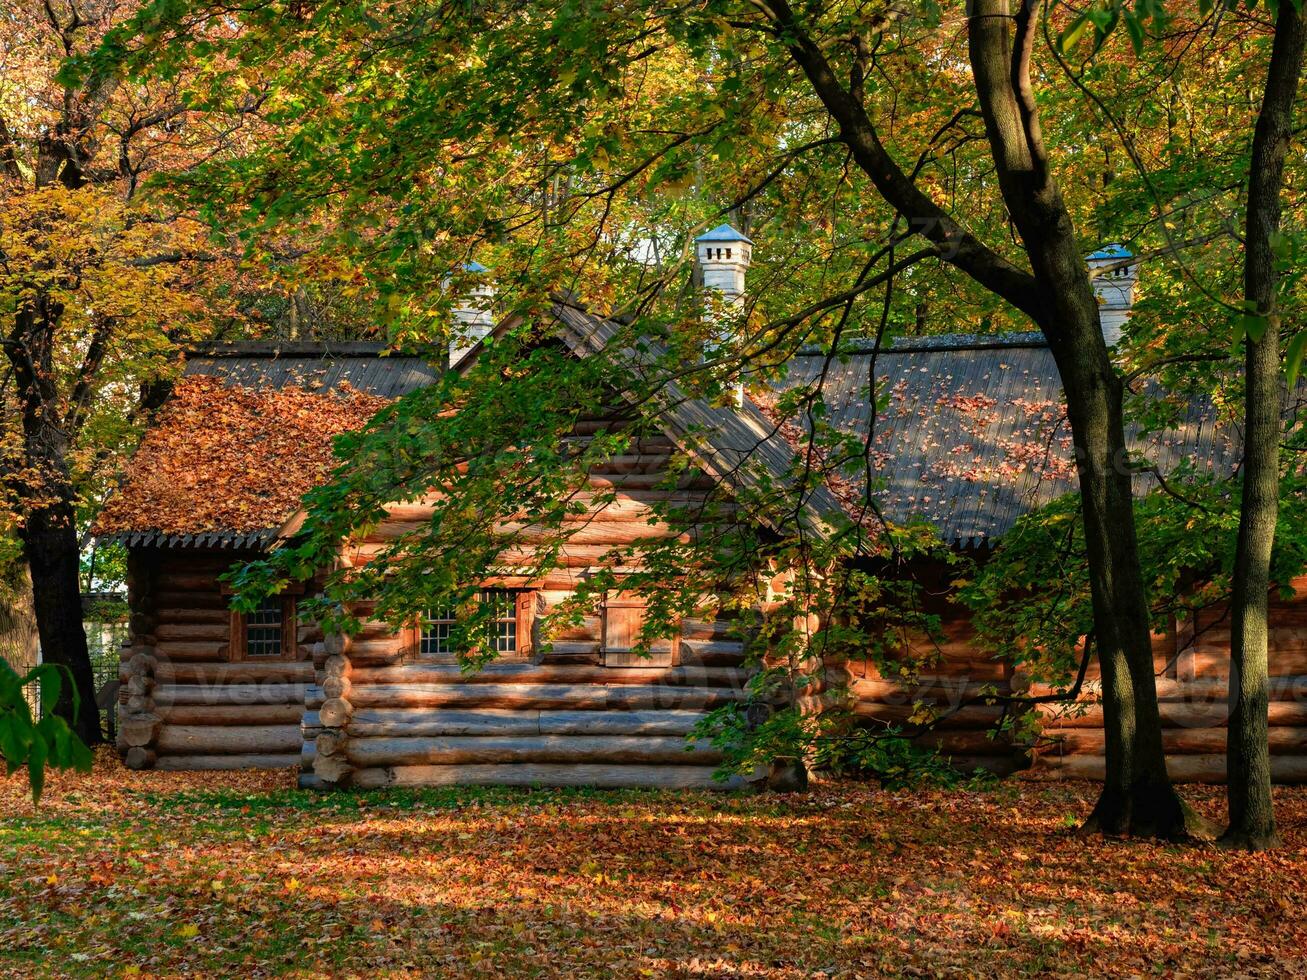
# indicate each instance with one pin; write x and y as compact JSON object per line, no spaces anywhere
{"x":623,"y":617}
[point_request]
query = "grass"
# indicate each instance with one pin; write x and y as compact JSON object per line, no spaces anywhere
{"x":167,"y":874}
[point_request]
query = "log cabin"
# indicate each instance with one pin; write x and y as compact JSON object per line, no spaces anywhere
{"x":248,"y":430}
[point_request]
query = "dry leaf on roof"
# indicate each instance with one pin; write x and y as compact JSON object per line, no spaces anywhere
{"x":226,"y":458}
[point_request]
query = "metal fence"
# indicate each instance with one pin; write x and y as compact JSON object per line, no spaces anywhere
{"x":106,"y":631}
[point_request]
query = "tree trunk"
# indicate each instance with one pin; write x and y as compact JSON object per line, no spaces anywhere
{"x":1137,"y":796}
{"x":1248,"y":762}
{"x":50,"y":544}
{"x":48,"y":529}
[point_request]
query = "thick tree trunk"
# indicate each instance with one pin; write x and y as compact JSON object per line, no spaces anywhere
{"x":50,"y":543}
{"x":48,"y":529}
{"x":1137,"y":796}
{"x":1248,"y":762}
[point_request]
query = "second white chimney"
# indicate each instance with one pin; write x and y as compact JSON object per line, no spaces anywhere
{"x":1113,"y":279}
{"x":473,"y":315}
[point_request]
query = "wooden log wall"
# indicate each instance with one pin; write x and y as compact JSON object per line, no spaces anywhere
{"x":379,"y":715}
{"x":1192,"y":666}
{"x":1192,"y":685}
{"x":960,"y":672}
{"x":185,"y":704}
{"x":560,"y":719}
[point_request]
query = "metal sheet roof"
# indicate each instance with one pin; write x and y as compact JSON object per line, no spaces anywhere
{"x":319,"y":367}
{"x":974,"y":435}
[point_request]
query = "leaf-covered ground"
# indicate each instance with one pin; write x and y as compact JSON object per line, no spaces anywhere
{"x":143,"y":874}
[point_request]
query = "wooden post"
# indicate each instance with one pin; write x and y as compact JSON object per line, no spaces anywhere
{"x":800,"y":664}
{"x":138,"y":728}
{"x":331,"y":766}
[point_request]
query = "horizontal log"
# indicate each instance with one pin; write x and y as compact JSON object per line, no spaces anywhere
{"x":264,"y":693}
{"x":228,"y":740}
{"x":184,"y":763}
{"x":192,"y":631}
{"x":542,"y":696}
{"x":1176,"y":714}
{"x":579,"y":749}
{"x":998,"y":765}
{"x":711,"y":653}
{"x":524,"y":774}
{"x":242,"y":672}
{"x":369,"y":722}
{"x":382,"y":650}
{"x":169,"y":605}
{"x":1285,"y":769}
{"x":410,"y":722}
{"x":192,"y":651}
{"x":1282,"y":658}
{"x":183,"y":582}
{"x":969,"y":742}
{"x":972,"y":716}
{"x":1178,"y":741}
{"x":636,"y":482}
{"x":730,"y":630}
{"x":232,"y":714}
{"x":193,"y":615}
{"x":510,"y":673}
{"x":934,"y":689}
{"x":1283,"y":687}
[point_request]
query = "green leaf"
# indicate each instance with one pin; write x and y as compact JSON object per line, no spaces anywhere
{"x":1294,"y":356}
{"x":1135,"y":28}
{"x":1070,"y":37}
{"x":1250,"y":325}
{"x":51,"y":684}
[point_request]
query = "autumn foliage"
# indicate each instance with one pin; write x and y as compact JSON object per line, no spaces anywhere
{"x":224,"y":457}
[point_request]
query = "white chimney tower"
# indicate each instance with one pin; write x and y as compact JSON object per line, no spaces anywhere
{"x":473,"y":317}
{"x":1115,"y":288}
{"x":723,"y":255}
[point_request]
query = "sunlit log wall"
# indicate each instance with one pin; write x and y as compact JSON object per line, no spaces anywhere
{"x":567,"y":712}
{"x":1191,"y":661}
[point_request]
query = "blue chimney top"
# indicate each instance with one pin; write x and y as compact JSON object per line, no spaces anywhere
{"x":1110,"y":252}
{"x":724,"y":233}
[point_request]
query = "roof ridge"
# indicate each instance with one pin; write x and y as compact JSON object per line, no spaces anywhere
{"x":933,"y":342}
{"x":292,"y":348}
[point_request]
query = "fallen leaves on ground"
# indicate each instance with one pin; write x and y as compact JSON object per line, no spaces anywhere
{"x":161,"y":874}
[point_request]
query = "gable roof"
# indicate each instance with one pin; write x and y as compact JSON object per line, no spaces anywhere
{"x":738,"y":447}
{"x":246,"y":433}
{"x":974,"y":434}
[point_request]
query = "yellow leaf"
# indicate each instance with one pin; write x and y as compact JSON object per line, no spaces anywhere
{"x":189,"y":931}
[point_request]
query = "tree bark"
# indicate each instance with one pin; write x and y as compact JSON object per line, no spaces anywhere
{"x":50,"y":543}
{"x":1248,"y":762}
{"x":1137,"y":796}
{"x":49,"y":530}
